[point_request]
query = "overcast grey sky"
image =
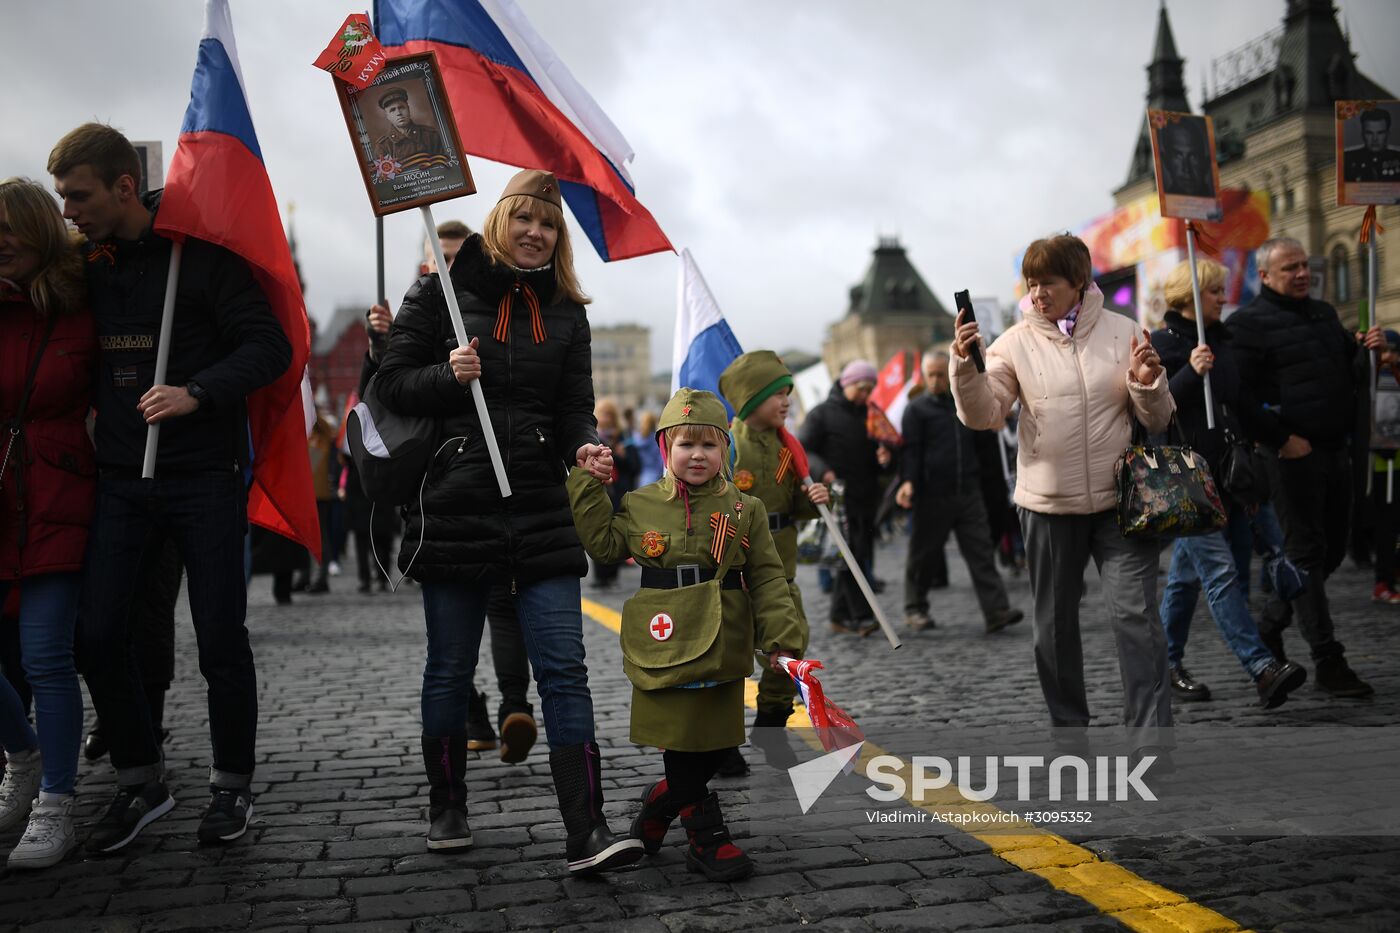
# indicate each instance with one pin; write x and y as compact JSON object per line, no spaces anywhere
{"x":776,"y":140}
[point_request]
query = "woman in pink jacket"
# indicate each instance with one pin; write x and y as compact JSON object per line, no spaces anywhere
{"x":1081,"y":373}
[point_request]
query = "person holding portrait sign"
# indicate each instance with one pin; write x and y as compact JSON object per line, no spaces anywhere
{"x":497,"y":347}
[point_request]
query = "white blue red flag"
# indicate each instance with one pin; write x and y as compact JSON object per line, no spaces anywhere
{"x":217,"y":190}
{"x":704,"y":345}
{"x":520,"y":105}
{"x":835,"y":728}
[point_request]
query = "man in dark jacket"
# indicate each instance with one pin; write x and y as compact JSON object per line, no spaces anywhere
{"x":941,"y":481}
{"x":840,"y":447}
{"x":1304,"y":365}
{"x":225,"y":343}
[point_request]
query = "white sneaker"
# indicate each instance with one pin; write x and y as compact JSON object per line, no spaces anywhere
{"x":23,"y":771}
{"x":49,"y":836}
{"x":334,"y":568}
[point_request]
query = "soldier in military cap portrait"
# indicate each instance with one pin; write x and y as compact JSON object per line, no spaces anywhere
{"x":713,"y":590}
{"x":1373,"y":160}
{"x":405,"y":138}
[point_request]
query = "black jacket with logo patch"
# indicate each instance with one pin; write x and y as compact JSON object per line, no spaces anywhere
{"x":225,"y":337}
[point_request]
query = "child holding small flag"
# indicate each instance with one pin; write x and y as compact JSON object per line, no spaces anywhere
{"x":769,"y":467}
{"x":713,"y":590}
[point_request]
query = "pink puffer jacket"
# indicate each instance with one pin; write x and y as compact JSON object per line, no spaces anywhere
{"x":1075,"y":398}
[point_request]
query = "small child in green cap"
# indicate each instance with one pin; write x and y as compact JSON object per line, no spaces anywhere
{"x":758,"y":386}
{"x":713,"y":590}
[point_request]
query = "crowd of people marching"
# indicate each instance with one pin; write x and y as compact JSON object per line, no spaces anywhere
{"x":708,"y":505}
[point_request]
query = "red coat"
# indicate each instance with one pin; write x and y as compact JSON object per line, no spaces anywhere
{"x":59,"y":479}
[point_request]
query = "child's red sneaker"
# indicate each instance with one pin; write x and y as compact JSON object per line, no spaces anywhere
{"x":1384,"y":594}
{"x":654,"y":818}
{"x":711,"y":852}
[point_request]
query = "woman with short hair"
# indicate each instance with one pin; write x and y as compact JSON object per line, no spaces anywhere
{"x":1082,"y":374}
{"x":1205,"y":561}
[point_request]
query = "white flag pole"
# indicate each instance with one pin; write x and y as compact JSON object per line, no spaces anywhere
{"x":856,"y":572}
{"x":1200,"y":320}
{"x":455,"y":315}
{"x":167,"y":319}
{"x":1373,"y":318}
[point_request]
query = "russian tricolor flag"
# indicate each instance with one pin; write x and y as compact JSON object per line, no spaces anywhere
{"x":704,"y":345}
{"x":217,"y":190}
{"x":517,"y":103}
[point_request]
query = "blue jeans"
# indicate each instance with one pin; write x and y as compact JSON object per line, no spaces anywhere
{"x":552,"y":625}
{"x":48,"y":608}
{"x":1206,"y":560}
{"x":206,"y":515}
{"x":1249,"y":535}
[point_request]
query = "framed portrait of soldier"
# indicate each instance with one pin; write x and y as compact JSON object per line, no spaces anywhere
{"x":405,"y":138}
{"x":1183,"y":155}
{"x":1368,"y":152}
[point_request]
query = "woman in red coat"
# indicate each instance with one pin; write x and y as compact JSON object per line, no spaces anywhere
{"x":47,"y":487}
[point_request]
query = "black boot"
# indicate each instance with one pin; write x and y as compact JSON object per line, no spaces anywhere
{"x":578,"y":780}
{"x":732,"y":764}
{"x":480,"y":736}
{"x":712,"y":852}
{"x":445,"y":761}
{"x":769,"y":735}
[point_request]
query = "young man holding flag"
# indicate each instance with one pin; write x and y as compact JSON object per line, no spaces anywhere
{"x":226,"y":343}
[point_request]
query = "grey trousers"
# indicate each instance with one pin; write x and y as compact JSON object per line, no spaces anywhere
{"x":966,"y":517}
{"x":1057,"y":549}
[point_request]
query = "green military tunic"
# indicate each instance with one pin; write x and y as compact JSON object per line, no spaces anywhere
{"x":746,"y":383}
{"x":762,"y":616}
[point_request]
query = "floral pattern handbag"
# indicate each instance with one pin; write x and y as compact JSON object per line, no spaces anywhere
{"x":1165,"y":490}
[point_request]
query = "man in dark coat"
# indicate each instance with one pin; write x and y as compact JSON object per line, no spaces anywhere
{"x":941,"y":481}
{"x":840,"y":447}
{"x":225,"y":343}
{"x":1306,"y":369}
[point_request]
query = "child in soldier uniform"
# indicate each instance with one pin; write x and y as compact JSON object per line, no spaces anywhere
{"x":758,"y":387}
{"x":713,"y":590}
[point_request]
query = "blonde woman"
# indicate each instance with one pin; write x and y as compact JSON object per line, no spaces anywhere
{"x":531,"y":351}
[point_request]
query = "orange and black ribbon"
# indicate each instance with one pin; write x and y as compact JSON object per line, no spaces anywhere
{"x":744,"y":542}
{"x":502,"y":331}
{"x":724,"y":530}
{"x":1370,"y":225}
{"x":101,"y":251}
{"x":784,"y":464}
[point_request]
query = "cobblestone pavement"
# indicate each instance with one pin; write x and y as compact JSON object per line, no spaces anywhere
{"x":338,"y":840}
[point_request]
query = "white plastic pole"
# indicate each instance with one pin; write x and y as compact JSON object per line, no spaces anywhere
{"x":1200,"y":321}
{"x":856,"y":572}
{"x":458,"y":328}
{"x":167,"y":319}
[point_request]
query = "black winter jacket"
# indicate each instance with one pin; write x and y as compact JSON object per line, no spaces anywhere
{"x":1299,"y":359}
{"x":836,"y":439}
{"x":540,"y":397}
{"x":939,"y":455}
{"x":225,"y":337}
{"x":1235,"y":403}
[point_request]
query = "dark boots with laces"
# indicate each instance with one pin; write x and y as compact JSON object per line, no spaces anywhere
{"x":445,"y":761}
{"x":711,"y":851}
{"x":578,"y":781}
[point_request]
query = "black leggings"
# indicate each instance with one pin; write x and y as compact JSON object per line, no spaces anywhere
{"x":688,"y":773}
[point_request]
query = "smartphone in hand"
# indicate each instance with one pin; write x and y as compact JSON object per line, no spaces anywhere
{"x":964,"y":304}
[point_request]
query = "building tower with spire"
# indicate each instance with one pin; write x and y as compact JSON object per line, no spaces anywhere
{"x":1272,"y":105}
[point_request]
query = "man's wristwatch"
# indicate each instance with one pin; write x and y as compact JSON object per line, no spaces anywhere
{"x":198,"y":393}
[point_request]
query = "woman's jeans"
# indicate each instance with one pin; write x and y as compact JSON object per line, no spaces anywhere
{"x":552,"y":625}
{"x":48,"y":611}
{"x":1206,"y":560}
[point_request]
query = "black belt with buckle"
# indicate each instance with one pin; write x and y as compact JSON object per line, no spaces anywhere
{"x":656,"y":578}
{"x":777,"y":521}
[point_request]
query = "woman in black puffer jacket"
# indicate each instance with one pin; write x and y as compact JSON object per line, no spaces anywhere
{"x":530,"y":348}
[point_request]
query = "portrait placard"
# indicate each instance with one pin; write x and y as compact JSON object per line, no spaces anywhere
{"x":1368,"y":164}
{"x":1183,"y":155}
{"x":405,"y":138}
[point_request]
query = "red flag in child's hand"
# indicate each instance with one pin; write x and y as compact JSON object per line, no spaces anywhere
{"x":354,"y":55}
{"x":835,"y":727}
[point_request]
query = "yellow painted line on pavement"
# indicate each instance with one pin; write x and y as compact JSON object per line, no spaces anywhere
{"x":1132,"y":900}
